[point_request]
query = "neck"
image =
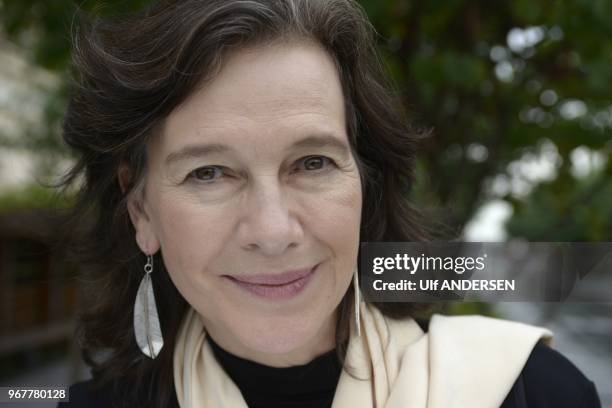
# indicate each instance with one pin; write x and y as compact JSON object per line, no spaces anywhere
{"x":320,"y":343}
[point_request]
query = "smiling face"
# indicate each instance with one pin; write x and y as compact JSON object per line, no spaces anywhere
{"x":251,"y":183}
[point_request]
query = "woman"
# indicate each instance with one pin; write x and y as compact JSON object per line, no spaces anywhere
{"x":234,"y":155}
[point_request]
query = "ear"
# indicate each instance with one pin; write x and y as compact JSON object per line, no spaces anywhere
{"x":146,"y":238}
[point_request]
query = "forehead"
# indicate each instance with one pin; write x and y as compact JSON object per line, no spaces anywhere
{"x":270,"y":86}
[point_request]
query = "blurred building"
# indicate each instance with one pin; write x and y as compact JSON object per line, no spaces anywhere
{"x":37,"y":295}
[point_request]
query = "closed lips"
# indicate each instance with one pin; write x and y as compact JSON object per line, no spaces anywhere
{"x":279,"y":279}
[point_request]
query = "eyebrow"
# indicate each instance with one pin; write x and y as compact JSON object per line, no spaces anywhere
{"x":313,"y":141}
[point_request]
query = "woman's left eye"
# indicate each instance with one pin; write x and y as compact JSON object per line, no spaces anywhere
{"x":315,"y":163}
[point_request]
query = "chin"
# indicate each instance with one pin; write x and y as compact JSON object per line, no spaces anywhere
{"x":290,"y":338}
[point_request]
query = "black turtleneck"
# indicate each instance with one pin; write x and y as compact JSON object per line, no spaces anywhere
{"x":306,"y":386}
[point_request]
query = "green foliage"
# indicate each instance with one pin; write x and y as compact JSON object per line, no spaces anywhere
{"x":583,"y":214}
{"x":32,"y":197}
{"x":44,"y":27}
{"x":446,"y":57}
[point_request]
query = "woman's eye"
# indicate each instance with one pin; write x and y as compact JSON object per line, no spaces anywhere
{"x":314,"y":163}
{"x":206,"y":174}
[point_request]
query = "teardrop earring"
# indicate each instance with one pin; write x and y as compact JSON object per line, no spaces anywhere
{"x":357,"y":296}
{"x":147,"y":329}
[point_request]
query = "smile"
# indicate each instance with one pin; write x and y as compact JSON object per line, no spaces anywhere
{"x":276,"y":287}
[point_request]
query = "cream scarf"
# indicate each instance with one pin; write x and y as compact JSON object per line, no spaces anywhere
{"x":463,"y":361}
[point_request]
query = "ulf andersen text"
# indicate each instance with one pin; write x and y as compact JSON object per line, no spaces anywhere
{"x":451,"y":285}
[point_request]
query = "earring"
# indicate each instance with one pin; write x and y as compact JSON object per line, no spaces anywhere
{"x":147,"y":329}
{"x":357,"y":296}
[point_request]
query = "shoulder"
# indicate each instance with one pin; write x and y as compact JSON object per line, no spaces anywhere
{"x":549,"y":379}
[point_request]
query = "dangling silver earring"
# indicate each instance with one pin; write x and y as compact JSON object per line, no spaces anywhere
{"x":357,"y":297}
{"x":146,"y":321}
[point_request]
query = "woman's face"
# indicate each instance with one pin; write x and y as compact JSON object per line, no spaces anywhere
{"x":251,"y":184}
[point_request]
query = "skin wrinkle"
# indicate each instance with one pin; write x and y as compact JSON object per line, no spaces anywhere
{"x":269,"y":213}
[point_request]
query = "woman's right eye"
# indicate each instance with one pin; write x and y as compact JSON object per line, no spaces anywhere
{"x":206,"y":174}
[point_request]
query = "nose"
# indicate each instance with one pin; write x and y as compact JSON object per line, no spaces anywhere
{"x":269,"y":223}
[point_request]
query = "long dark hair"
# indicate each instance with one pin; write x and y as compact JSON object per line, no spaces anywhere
{"x":130,"y":72}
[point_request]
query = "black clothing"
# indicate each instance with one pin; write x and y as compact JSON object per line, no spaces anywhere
{"x":312,"y":385}
{"x":548,"y":380}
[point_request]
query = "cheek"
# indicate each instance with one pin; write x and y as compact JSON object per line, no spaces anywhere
{"x":191,"y":239}
{"x":334,"y":219}
{"x":338,"y":212}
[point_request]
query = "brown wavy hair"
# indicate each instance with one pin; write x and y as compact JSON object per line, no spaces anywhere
{"x":129,"y":73}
